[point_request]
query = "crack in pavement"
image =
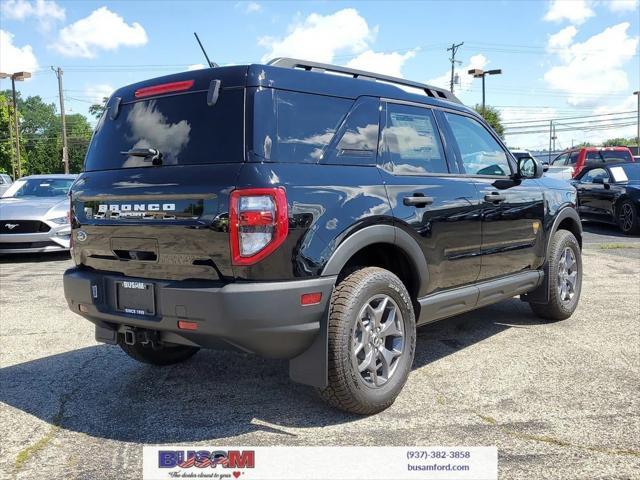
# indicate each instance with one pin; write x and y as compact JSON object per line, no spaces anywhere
{"x":57,"y":420}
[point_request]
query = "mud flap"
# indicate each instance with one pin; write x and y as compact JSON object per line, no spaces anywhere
{"x":541,"y":293}
{"x":311,"y":366}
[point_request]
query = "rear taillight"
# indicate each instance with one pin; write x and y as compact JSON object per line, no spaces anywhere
{"x":258,"y":223}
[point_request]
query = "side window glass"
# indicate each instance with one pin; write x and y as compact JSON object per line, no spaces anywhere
{"x":573,"y":159}
{"x":560,"y":160}
{"x":591,"y":175}
{"x":360,"y":133}
{"x":306,"y":125}
{"x":481,"y":153}
{"x":411,"y":142}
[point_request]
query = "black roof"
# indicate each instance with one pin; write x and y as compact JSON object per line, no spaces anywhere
{"x":311,"y":77}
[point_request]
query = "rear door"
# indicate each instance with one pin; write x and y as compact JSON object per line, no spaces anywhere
{"x":440,"y":209}
{"x":162,"y":215}
{"x":512,"y":210}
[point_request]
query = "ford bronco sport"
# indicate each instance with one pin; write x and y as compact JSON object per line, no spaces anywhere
{"x":309,"y":212}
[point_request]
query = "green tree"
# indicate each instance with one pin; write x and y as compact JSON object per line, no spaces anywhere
{"x":78,"y":137}
{"x":98,"y":108}
{"x":492,"y":117}
{"x":6,"y":137}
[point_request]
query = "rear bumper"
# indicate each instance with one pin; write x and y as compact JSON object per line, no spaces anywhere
{"x":262,"y":318}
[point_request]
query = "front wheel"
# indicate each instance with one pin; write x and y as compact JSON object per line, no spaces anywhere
{"x":565,"y":278}
{"x":372,"y":337}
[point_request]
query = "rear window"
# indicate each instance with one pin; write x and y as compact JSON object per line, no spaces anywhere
{"x":610,"y":156}
{"x":182,"y":127}
{"x":295,"y":127}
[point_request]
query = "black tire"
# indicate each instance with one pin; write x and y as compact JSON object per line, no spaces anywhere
{"x":558,"y":308}
{"x":627,"y":216}
{"x":348,"y":390}
{"x":161,"y":355}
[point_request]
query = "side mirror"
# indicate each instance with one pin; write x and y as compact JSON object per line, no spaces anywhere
{"x":529,"y":167}
{"x":601,"y":181}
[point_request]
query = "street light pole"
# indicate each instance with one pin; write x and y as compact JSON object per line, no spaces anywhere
{"x":637,"y":94}
{"x":16,"y":76}
{"x":479,"y":73}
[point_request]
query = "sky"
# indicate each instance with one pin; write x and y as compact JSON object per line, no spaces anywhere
{"x":561,"y":59}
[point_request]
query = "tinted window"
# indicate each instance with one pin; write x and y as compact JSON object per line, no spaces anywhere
{"x":411,"y":141}
{"x":573,"y":159}
{"x":621,"y":156}
{"x":306,"y":124}
{"x":591,"y":156}
{"x":480,"y":153}
{"x":360,"y":132}
{"x":593,"y":174}
{"x":182,"y":127}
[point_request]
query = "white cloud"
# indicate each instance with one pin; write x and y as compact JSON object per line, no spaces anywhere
{"x":97,"y":93}
{"x":380,"y":62}
{"x":249,"y":7}
{"x":196,"y":66}
{"x":102,"y":29}
{"x":563,"y":38}
{"x":321,"y":37}
{"x":623,"y":5}
{"x":14,"y":58}
{"x":575,"y":11}
{"x":465,"y":80}
{"x":594,"y":68}
{"x":45,"y":11}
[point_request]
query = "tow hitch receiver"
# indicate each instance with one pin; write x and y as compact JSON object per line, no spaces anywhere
{"x":133,"y":336}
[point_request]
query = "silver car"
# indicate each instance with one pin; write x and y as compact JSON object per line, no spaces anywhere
{"x":5,"y":183}
{"x":34,"y":214}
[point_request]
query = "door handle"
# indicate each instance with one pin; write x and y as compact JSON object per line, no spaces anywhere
{"x":417,"y":201}
{"x":494,"y":198}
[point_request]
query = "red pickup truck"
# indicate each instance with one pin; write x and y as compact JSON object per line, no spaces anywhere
{"x":578,"y":158}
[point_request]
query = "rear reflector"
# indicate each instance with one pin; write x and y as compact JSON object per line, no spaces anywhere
{"x":310,"y":298}
{"x":184,"y":325}
{"x":164,"y":88}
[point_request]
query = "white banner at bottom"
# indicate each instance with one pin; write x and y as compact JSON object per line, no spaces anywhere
{"x":320,"y":463}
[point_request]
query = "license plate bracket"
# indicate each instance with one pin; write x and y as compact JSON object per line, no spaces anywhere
{"x":136,"y":298}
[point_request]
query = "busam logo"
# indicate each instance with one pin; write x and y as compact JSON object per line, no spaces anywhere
{"x":233,"y":459}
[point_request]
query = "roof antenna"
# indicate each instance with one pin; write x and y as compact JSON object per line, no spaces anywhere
{"x":211,"y":64}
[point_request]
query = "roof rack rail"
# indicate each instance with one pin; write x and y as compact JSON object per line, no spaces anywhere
{"x":431,"y":91}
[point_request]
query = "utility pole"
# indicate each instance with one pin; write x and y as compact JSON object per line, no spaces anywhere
{"x":65,"y":152}
{"x":453,"y":49}
{"x":637,"y":94}
{"x":550,"y":137}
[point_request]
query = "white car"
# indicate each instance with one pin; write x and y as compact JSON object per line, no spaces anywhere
{"x":34,"y":214}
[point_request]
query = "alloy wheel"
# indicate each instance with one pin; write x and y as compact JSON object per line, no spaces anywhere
{"x":567,"y":275}
{"x":378,"y":340}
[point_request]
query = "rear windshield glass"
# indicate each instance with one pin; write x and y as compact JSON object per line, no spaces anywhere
{"x":610,"y":155}
{"x":183,"y":128}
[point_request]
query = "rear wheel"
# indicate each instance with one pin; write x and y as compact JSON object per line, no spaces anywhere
{"x":157,"y":354}
{"x":628,"y":220}
{"x":372,"y":336}
{"x":565,"y":278}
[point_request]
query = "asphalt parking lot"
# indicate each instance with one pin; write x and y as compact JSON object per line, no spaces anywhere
{"x":559,"y":400}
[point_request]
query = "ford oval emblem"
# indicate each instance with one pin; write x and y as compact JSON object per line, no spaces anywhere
{"x":81,"y":235}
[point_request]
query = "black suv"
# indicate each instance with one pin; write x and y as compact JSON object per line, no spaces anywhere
{"x":310,"y":212}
